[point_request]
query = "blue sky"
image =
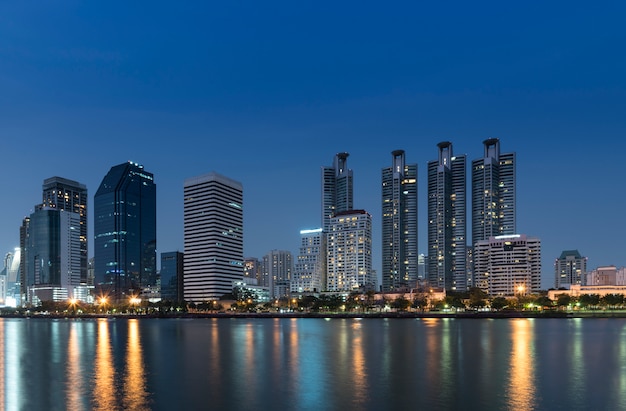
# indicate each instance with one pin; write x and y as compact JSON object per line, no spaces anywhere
{"x":267,"y":92}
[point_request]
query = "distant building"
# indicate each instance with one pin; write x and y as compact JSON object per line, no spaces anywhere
{"x":607,"y":275}
{"x":252,"y":269}
{"x":172,"y":276}
{"x":242,"y":290}
{"x":569,"y":269}
{"x":277,"y":272}
{"x":337,"y":189}
{"x":125,"y":233}
{"x":447,"y":214}
{"x":399,"y":224}
{"x":309,"y":275}
{"x":349,"y":252}
{"x":213,"y":236}
{"x":53,"y":255}
{"x":69,"y":195}
{"x":493,"y":193}
{"x":11,"y":271}
{"x":576,"y":290}
{"x":508,"y":265}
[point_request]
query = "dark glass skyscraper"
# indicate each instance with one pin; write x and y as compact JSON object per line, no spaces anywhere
{"x":125,"y":232}
{"x":447,"y":228}
{"x":69,"y":195}
{"x":172,"y":276}
{"x":399,"y":224}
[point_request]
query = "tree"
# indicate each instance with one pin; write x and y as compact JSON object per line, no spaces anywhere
{"x":563,"y":300}
{"x":420,"y":301}
{"x":589,"y":300}
{"x":401,"y":303}
{"x":544,"y":302}
{"x":499,"y":303}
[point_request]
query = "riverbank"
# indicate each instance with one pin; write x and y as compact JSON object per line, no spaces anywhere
{"x":355,"y":315}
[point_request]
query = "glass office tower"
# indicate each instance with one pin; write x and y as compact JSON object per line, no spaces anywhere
{"x":69,"y":195}
{"x":125,"y":232}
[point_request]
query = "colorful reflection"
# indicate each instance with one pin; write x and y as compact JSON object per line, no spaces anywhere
{"x":104,"y":379}
{"x":74,"y":383}
{"x":521,"y":384}
{"x":135,"y":394}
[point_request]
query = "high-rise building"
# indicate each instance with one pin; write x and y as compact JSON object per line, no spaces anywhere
{"x":69,"y":195}
{"x":125,"y":233}
{"x":399,"y":224}
{"x":570,"y":269}
{"x":309,"y":275}
{"x":252,"y":270}
{"x":11,"y":289}
{"x":508,"y":265}
{"x":53,"y":255}
{"x":213,"y":236}
{"x":493,"y":193}
{"x":24,"y":228}
{"x":447,"y":214}
{"x":171,"y":275}
{"x":337,"y":188}
{"x":349,"y":252}
{"x":277,"y":269}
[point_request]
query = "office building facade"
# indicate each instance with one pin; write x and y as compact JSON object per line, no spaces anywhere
{"x":69,"y":195}
{"x":171,"y":276}
{"x":349,"y":252}
{"x":447,"y":215}
{"x":277,"y":272}
{"x":125,"y":233}
{"x":213,"y":236}
{"x":309,"y":275}
{"x":570,"y":269}
{"x":399,"y":224}
{"x":508,"y":265}
{"x":53,"y":255}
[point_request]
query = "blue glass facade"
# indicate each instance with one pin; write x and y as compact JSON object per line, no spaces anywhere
{"x":172,"y":276}
{"x":125,"y":232}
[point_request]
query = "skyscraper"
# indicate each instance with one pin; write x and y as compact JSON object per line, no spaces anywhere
{"x":399,"y":224}
{"x":570,"y":269}
{"x":493,"y":193}
{"x":125,"y":232}
{"x":53,"y":255}
{"x":309,"y":273}
{"x":277,"y":269}
{"x":447,"y":214}
{"x":172,"y":276}
{"x":69,"y":195}
{"x":213,"y":236}
{"x":349,"y":252}
{"x":337,"y":187}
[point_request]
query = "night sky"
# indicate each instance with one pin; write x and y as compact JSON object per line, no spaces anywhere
{"x":267,"y":92}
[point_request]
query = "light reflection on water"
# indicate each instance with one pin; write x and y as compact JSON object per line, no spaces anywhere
{"x":521,"y":384}
{"x":313,"y":364}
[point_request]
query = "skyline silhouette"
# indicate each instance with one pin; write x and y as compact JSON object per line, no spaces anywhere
{"x":267,"y":94}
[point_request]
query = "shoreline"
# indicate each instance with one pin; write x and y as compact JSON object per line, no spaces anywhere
{"x":388,"y":315}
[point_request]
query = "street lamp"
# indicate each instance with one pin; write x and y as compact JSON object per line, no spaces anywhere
{"x":73,"y":302}
{"x":134,"y":302}
{"x":102,"y":301}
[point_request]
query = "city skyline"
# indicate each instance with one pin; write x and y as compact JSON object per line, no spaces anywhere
{"x":265,"y":97}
